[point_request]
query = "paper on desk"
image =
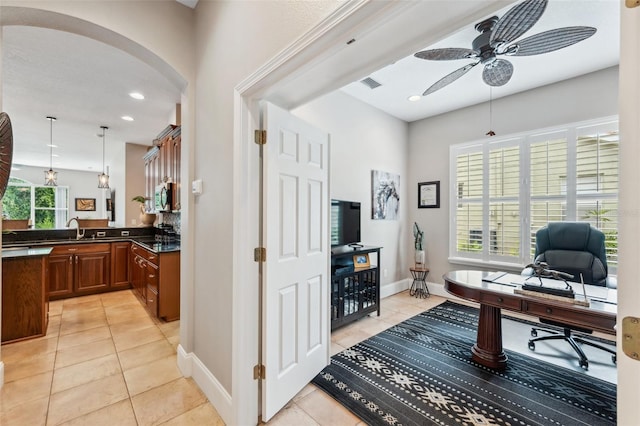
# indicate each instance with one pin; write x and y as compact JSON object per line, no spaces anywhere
{"x":593,"y":292}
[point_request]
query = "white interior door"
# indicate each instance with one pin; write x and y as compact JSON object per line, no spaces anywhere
{"x":295,"y":323}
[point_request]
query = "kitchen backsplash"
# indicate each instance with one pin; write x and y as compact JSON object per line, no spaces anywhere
{"x":173,"y":219}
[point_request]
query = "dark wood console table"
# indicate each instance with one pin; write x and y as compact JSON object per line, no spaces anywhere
{"x":494,"y":296}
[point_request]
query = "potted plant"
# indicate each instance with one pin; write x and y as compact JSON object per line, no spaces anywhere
{"x":418,"y":236}
{"x":146,"y":218}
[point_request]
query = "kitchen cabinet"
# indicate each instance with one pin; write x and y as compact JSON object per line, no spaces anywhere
{"x":120,"y":265}
{"x":155,"y":278}
{"x":79,"y":269}
{"x":162,"y":163}
{"x":25,"y":301}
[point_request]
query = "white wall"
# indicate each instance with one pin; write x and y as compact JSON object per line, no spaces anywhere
{"x":363,"y":139}
{"x":233,"y":39}
{"x":81,"y":185}
{"x":588,"y":97}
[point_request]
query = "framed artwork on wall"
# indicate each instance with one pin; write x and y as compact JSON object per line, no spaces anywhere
{"x":429,"y":195}
{"x":86,"y":204}
{"x":385,"y":198}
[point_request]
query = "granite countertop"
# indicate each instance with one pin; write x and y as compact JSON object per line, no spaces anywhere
{"x":25,"y":252}
{"x":148,"y":242}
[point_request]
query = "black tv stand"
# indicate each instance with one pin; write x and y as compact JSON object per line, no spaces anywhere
{"x":355,"y":291}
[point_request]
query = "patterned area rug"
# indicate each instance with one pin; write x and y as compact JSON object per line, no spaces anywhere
{"x":420,"y":372}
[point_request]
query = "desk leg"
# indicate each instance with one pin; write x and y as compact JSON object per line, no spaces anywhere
{"x":488,"y":348}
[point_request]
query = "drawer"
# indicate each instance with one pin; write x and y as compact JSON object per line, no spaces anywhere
{"x":588,"y":319}
{"x":144,"y":253}
{"x":152,"y":301}
{"x":501,"y":301}
{"x":152,"y":280}
{"x":69,"y":249}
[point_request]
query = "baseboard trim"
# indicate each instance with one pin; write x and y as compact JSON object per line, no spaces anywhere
{"x":402,"y":285}
{"x":191,"y":366}
{"x":394,"y":287}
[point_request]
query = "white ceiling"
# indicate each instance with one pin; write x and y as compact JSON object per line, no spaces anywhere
{"x":412,"y":76}
{"x":84,"y":84}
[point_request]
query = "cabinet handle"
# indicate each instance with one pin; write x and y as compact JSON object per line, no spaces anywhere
{"x":151,"y":276}
{"x":76,"y":260}
{"x":72,"y":249}
{"x":500,"y":300}
{"x":549,"y":310}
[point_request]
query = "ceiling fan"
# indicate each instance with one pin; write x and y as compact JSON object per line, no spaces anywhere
{"x":497,"y":37}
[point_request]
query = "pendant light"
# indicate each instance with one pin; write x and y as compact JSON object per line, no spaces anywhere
{"x":103,"y":179}
{"x":51,"y":177}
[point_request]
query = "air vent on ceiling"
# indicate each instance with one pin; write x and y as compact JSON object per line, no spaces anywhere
{"x":370,"y":83}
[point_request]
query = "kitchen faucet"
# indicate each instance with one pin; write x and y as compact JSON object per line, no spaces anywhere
{"x":79,"y":235}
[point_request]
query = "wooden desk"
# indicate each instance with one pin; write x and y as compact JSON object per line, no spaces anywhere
{"x":492,"y":296}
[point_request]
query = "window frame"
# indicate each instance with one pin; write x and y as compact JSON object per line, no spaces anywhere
{"x":525,"y":142}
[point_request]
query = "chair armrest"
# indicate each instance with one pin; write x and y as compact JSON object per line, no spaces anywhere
{"x":612,"y":282}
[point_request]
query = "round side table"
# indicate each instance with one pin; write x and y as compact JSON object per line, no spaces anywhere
{"x":419,"y":284}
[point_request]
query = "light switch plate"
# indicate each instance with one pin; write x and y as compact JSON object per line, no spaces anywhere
{"x":196,"y":187}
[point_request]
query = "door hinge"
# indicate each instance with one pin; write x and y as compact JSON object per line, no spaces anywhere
{"x":261,"y":137}
{"x":260,"y":254}
{"x":259,"y":372}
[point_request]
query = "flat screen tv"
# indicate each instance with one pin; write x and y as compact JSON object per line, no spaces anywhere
{"x":345,"y":222}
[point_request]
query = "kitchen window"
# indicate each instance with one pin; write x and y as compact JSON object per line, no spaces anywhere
{"x":46,"y":207}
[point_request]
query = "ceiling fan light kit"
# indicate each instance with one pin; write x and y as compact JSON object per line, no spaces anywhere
{"x":498,"y":37}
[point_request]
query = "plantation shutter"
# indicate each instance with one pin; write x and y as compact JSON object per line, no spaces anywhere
{"x":548,"y":170}
{"x":504,"y":206}
{"x":469,"y":183}
{"x":597,"y":183}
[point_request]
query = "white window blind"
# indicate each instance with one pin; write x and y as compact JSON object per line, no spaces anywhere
{"x":507,"y":189}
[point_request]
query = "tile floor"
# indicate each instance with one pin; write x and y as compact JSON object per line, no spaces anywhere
{"x":104,"y":361}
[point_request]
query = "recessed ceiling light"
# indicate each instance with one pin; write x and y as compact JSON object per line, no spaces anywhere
{"x":136,"y":95}
{"x":127,"y":118}
{"x":55,"y":155}
{"x":414,"y":98}
{"x":52,"y":146}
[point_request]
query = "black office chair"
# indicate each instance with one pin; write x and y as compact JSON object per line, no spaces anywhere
{"x":576,"y":248}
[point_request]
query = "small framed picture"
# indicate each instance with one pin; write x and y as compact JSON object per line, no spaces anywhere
{"x":429,"y":195}
{"x":85,"y":204}
{"x":361,"y":261}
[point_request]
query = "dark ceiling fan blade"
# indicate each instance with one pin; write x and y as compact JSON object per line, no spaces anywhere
{"x":446,"y":54}
{"x":449,"y":78}
{"x":517,"y":21}
{"x":551,"y":40}
{"x":497,"y":73}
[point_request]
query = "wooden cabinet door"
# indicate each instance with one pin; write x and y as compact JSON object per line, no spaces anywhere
{"x":175,"y":174}
{"x":91,"y":271}
{"x":120,"y":265}
{"x":60,"y":276}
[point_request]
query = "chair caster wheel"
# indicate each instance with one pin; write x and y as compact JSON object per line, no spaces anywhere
{"x":614,"y":358}
{"x":532,"y":345}
{"x":584,"y":364}
{"x":534,"y":333}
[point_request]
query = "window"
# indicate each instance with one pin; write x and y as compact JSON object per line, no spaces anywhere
{"x":46,"y":206}
{"x":506,"y":189}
